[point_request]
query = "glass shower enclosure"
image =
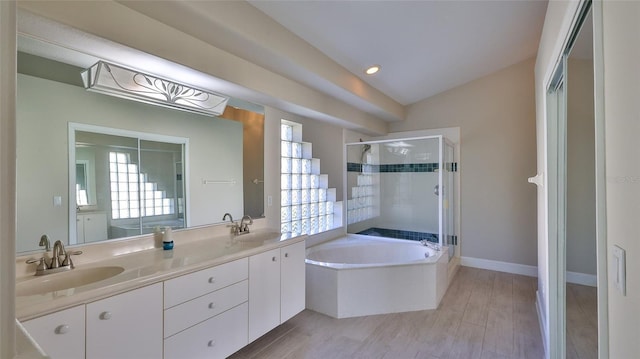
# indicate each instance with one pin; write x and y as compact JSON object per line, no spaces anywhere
{"x":403,"y":188}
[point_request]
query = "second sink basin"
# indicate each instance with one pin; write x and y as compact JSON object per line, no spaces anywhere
{"x":256,"y":238}
{"x":65,"y":280}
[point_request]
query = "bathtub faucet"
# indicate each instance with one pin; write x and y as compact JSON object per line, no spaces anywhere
{"x":434,"y":246}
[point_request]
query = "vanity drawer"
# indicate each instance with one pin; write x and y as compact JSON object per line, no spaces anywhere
{"x":190,"y":286}
{"x":217,"y":337}
{"x":195,"y":311}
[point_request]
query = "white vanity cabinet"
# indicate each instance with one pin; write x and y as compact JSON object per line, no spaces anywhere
{"x":264,"y":293}
{"x":91,"y":227}
{"x":61,"y":334}
{"x":210,"y":313}
{"x":206,"y":312}
{"x":127,"y":325}
{"x":292,"y":280}
{"x":276,"y":288}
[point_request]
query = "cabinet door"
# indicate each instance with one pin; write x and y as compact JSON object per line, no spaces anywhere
{"x":264,"y":293}
{"x":95,"y":227}
{"x":61,"y":334}
{"x":127,"y":325}
{"x":292,"y":280}
{"x":80,"y":229}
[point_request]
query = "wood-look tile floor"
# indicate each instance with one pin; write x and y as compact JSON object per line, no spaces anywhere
{"x":484,"y":314}
{"x":582,"y":322}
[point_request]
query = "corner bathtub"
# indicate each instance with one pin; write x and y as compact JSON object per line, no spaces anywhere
{"x":360,"y":275}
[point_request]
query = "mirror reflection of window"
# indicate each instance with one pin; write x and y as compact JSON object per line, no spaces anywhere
{"x":161,"y":197}
{"x":138,"y":182}
{"x":82,"y":198}
{"x":123,"y":174}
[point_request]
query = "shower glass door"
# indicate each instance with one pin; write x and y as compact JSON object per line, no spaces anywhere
{"x":402,"y":188}
{"x":393,"y":188}
{"x":449,"y":238}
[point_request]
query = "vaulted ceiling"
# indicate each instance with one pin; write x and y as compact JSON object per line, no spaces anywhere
{"x":424,"y":47}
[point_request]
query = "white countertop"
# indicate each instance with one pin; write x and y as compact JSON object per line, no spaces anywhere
{"x":143,"y":268}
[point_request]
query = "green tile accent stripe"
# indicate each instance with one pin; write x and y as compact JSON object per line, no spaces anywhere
{"x":402,"y":167}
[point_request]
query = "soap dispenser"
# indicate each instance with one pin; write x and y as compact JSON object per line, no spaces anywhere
{"x":167,"y":239}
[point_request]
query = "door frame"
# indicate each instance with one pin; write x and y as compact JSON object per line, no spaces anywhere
{"x":556,"y":213}
{"x":556,"y":194}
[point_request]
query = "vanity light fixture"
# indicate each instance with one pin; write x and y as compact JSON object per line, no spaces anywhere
{"x":373,"y":70}
{"x":130,"y":84}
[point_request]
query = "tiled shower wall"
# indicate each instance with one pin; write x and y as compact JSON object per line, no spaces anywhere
{"x":394,"y":188}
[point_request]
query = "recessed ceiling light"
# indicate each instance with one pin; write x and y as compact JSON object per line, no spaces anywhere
{"x":372,"y":70}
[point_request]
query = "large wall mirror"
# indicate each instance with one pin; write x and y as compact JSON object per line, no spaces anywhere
{"x":93,"y":167}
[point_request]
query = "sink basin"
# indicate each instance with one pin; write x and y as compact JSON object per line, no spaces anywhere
{"x":256,"y":238}
{"x":65,"y":280}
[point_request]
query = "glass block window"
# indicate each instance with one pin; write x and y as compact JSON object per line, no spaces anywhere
{"x":131,"y":195}
{"x":361,"y":205}
{"x":307,"y":205}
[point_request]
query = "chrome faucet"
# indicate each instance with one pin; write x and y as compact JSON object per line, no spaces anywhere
{"x":44,"y":242}
{"x":57,"y":264}
{"x":235,"y":229}
{"x":224,"y":218}
{"x":434,"y":246}
{"x":244,"y":227}
{"x":58,"y":250}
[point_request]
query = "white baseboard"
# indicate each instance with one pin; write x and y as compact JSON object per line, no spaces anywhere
{"x":531,"y":271}
{"x":582,"y":278}
{"x":542,"y":322}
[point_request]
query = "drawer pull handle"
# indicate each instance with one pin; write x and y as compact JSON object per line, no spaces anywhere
{"x":212,"y":305}
{"x":105,"y":315}
{"x":286,"y":255}
{"x":273,"y":259}
{"x":212,"y":343}
{"x":62,"y":329}
{"x":212,"y":280}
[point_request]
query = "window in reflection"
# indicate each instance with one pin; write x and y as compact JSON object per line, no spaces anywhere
{"x":139,"y":182}
{"x":126,"y":179}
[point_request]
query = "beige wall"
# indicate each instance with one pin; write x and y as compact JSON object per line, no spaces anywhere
{"x":622,"y":130}
{"x":581,"y":180}
{"x":7,"y":178}
{"x":497,"y":136}
{"x":272,"y":119}
{"x":252,"y":158}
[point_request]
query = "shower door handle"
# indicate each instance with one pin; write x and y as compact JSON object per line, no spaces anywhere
{"x":538,"y":180}
{"x":436,"y":190}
